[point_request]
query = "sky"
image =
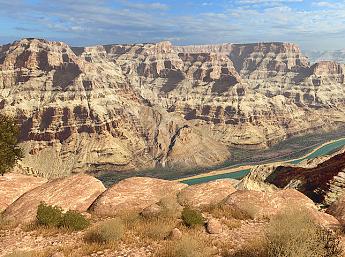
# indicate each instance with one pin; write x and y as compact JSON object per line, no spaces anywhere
{"x":314,"y":25}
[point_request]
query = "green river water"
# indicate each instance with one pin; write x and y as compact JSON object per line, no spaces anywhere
{"x":324,"y":150}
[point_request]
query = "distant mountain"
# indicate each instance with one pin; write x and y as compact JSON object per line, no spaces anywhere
{"x":336,"y":55}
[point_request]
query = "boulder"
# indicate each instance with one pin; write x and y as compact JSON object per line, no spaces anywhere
{"x":205,"y":194}
{"x":134,"y":194}
{"x":175,"y":234}
{"x":13,"y":185}
{"x":72,"y":193}
{"x":267,"y":204}
{"x":152,"y":211}
{"x":214,"y":226}
{"x":324,"y":219}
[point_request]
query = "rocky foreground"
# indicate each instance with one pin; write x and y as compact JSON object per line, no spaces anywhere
{"x":235,"y":214}
{"x":134,"y":107}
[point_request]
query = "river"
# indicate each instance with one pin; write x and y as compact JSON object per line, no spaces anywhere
{"x":238,"y":172}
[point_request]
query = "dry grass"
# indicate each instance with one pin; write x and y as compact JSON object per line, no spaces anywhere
{"x":154,"y":228}
{"x":192,"y":244}
{"x":171,"y":207}
{"x":292,"y":234}
{"x":232,"y":223}
{"x":106,"y":232}
{"x":6,"y":224}
{"x":225,"y":211}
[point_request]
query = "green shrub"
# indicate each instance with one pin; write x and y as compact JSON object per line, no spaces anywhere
{"x":10,"y":152}
{"x":106,"y":232}
{"x":50,"y":216}
{"x":192,"y":218}
{"x":74,"y":221}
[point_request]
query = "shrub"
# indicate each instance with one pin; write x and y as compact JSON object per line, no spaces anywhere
{"x":74,"y":221}
{"x":170,"y":207}
{"x":106,"y":232}
{"x":10,"y":152}
{"x":187,"y":246}
{"x":192,"y":218}
{"x":50,"y":216}
{"x":154,"y":228}
{"x":226,"y":211}
{"x":293,"y":234}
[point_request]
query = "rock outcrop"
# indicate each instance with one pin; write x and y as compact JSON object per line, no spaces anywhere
{"x":211,"y":193}
{"x":134,"y":195}
{"x":13,"y":185}
{"x":337,"y":208}
{"x":76,"y":192}
{"x":323,"y":179}
{"x":141,"y":106}
{"x":265,"y":204}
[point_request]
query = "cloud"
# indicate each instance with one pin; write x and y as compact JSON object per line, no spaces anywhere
{"x":88,"y":22}
{"x":326,"y":4}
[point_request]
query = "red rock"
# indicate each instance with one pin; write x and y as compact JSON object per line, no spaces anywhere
{"x":210,"y":193}
{"x":267,"y":204}
{"x":134,"y":194}
{"x":13,"y":185}
{"x":72,"y":193}
{"x":337,"y":209}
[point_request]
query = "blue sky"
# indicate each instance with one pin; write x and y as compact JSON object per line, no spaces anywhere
{"x":314,"y":25}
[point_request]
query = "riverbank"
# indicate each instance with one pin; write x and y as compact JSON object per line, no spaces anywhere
{"x":245,"y":169}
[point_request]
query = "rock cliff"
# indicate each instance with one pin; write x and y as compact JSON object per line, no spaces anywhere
{"x":322,"y":180}
{"x":127,"y":107}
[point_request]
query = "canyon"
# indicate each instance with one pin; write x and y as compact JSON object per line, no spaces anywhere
{"x":143,"y":106}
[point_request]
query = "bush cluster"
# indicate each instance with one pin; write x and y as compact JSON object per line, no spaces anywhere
{"x":52,"y":216}
{"x":107,"y":232}
{"x":192,"y":218}
{"x":293,"y":234}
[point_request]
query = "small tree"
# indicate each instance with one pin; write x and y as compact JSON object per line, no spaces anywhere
{"x":10,"y":152}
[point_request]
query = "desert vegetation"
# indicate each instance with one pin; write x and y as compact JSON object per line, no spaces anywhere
{"x":10,"y":152}
{"x":53,"y":217}
{"x":292,"y":233}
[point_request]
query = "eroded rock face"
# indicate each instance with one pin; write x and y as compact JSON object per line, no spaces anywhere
{"x":13,"y":185}
{"x":337,"y":209}
{"x":321,"y":179}
{"x":134,"y":195}
{"x":267,"y":204}
{"x":130,"y":107}
{"x":76,"y":192}
{"x":206,"y":194}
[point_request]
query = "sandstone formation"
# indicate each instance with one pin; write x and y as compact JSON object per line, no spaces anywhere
{"x":322,"y":179}
{"x":337,"y":209}
{"x":134,"y":194}
{"x":13,"y":185}
{"x":205,"y":194}
{"x":131,"y":107}
{"x":265,"y":204}
{"x":77,"y":192}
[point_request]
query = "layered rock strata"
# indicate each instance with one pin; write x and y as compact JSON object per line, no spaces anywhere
{"x":130,"y":107}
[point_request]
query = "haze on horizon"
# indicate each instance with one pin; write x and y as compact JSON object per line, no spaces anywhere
{"x":314,"y":25}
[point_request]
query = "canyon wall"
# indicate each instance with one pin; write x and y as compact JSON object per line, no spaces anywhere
{"x":141,"y":106}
